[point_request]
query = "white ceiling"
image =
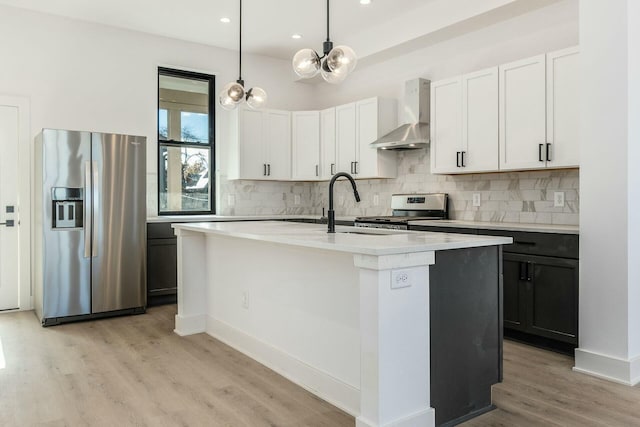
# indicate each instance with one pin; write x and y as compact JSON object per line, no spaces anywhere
{"x":267,"y":24}
{"x":376,"y":32}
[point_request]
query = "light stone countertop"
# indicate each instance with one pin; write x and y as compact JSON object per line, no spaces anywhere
{"x":231,"y":218}
{"x":346,"y":239}
{"x":507,"y":226}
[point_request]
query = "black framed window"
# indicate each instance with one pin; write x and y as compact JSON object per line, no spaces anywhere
{"x":186,"y":142}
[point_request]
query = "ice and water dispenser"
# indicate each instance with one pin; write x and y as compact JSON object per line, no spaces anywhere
{"x":67,"y":207}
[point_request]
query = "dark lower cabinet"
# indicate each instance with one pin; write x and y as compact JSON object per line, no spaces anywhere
{"x":162,"y":264}
{"x":541,"y":283}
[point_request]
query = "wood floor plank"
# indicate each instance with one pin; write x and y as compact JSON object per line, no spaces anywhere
{"x":134,"y":371}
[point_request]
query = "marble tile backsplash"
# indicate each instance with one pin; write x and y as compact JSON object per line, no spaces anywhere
{"x":241,"y":197}
{"x":505,"y":197}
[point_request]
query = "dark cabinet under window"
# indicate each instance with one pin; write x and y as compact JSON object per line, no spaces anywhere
{"x":162,"y":264}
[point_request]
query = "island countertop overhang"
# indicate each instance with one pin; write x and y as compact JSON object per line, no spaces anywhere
{"x":346,"y":239}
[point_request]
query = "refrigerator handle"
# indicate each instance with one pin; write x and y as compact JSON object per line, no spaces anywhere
{"x":86,"y":219}
{"x":95,"y":197}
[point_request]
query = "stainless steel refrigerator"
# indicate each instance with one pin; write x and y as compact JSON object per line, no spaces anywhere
{"x":89,"y":225}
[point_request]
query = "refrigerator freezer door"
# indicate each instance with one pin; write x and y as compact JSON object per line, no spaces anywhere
{"x":119,"y":222}
{"x":66,"y":271}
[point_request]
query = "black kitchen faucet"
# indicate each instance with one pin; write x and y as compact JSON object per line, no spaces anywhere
{"x":331,"y":216}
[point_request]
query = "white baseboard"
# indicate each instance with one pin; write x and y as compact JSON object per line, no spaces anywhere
{"x":426,"y":418}
{"x":189,"y":325}
{"x":610,"y":368}
{"x":327,"y":387}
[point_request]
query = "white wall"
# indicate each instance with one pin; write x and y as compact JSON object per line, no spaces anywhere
{"x":92,"y":77}
{"x":610,"y":221}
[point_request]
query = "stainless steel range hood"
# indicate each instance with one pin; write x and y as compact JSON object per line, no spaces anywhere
{"x":414,"y":134}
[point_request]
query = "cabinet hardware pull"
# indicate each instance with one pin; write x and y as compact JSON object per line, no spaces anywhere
{"x":457,"y":159}
{"x":264,"y":169}
{"x":268,"y":169}
{"x":548,"y":152}
{"x":462,"y":159}
{"x":355,"y":168}
{"x":352,"y":167}
{"x":523,"y":271}
{"x":333,"y":168}
{"x":524,"y":243}
{"x":540,"y":159}
{"x":528,"y":271}
{"x":317,"y":170}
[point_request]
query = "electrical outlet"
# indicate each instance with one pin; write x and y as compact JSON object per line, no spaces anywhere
{"x":231,"y":200}
{"x":296,"y":199}
{"x":376,"y":200}
{"x":558,"y":199}
{"x":245,"y":300}
{"x":400,"y":279}
{"x":476,"y":199}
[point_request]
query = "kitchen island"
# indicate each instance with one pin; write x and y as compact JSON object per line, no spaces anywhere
{"x":348,"y":315}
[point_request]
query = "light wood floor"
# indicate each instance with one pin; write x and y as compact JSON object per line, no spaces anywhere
{"x":134,"y":371}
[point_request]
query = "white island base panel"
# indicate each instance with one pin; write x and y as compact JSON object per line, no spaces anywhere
{"x":332,"y":321}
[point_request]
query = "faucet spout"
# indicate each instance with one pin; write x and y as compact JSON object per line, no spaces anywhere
{"x":331,"y":215}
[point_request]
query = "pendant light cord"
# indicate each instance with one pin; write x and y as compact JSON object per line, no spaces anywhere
{"x":328,"y":38}
{"x":240,"y":47}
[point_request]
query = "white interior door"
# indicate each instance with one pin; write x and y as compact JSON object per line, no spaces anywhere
{"x":9,"y":237}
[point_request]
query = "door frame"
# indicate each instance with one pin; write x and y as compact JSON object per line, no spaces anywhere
{"x":25,"y":159}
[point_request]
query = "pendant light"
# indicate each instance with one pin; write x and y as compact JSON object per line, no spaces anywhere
{"x":334,"y":65}
{"x":234,"y":93}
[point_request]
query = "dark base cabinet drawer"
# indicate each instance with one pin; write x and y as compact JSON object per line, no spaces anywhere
{"x":160,"y":230}
{"x":545,"y":244}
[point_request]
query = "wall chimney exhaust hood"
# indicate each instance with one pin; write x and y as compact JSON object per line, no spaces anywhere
{"x":414,"y":134}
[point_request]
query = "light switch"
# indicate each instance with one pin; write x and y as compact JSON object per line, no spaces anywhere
{"x":558,"y":199}
{"x":476,"y":199}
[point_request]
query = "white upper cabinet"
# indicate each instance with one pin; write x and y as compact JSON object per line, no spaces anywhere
{"x":464,"y":123}
{"x":479,"y":152}
{"x":346,"y":137}
{"x":278,"y":144}
{"x":563,"y":108}
{"x":305,"y":126}
{"x":358,"y":125}
{"x":260,"y":147}
{"x":446,"y":125}
{"x":328,"y":158}
{"x":375,"y":117}
{"x":523,"y":114}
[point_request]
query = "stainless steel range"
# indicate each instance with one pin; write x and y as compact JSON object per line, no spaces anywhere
{"x":409,"y":207}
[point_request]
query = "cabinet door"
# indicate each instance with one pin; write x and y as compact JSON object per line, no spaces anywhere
{"x":523,"y":114}
{"x":446,"y":125}
{"x":278,"y":137}
{"x":305,"y":154}
{"x":552,"y":299}
{"x":367,"y":132}
{"x":162,"y":278}
{"x":328,"y":163}
{"x":563,"y":108}
{"x":252,"y":150}
{"x":375,"y":117}
{"x":346,"y":137}
{"x":480,"y":121}
{"x":514,"y":287}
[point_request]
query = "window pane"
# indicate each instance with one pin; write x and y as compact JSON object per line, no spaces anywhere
{"x":195,"y":127}
{"x":163,"y":124}
{"x":184,"y":102}
{"x":184,"y":179}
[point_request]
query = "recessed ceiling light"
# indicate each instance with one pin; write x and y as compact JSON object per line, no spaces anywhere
{"x":365,"y":2}
{"x":296,"y":36}
{"x":225,"y":20}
